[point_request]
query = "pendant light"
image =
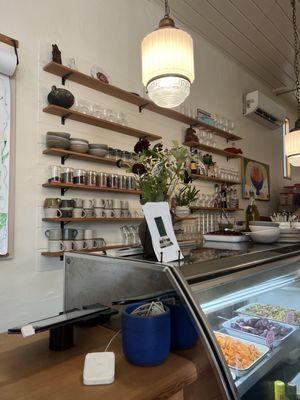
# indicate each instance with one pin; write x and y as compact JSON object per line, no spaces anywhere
{"x":168,"y":63}
{"x":292,"y":138}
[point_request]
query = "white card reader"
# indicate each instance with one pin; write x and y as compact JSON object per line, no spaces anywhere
{"x":99,"y":368}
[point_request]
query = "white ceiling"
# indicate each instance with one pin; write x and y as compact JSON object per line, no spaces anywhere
{"x":256,"y":33}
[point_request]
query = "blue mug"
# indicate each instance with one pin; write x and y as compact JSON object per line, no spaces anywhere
{"x":146,"y":340}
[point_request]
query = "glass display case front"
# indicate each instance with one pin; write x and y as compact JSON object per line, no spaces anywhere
{"x":253,"y":317}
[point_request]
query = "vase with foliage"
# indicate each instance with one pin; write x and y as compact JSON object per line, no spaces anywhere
{"x":157,"y":172}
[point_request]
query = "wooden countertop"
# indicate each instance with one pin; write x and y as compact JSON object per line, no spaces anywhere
{"x":30,"y":371}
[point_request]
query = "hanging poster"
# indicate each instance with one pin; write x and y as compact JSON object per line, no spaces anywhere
{"x":255,"y":178}
{"x":4,"y":161}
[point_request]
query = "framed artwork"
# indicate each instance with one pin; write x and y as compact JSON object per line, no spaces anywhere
{"x":256,"y":178}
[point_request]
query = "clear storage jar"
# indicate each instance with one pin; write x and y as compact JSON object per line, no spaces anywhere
{"x":79,"y":177}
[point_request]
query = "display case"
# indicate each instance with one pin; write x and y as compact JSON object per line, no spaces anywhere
{"x":245,"y":308}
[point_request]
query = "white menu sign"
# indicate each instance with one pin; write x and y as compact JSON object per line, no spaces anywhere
{"x":163,"y":237}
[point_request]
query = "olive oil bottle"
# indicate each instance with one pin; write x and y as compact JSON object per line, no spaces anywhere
{"x":252,"y":213}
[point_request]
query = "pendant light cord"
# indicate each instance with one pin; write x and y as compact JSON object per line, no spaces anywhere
{"x":167,"y":9}
{"x":296,"y":63}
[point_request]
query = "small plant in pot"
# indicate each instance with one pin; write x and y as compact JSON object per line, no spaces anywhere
{"x":184,"y":198}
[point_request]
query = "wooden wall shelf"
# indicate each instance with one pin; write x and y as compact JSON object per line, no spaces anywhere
{"x":79,"y":156}
{"x":67,"y":186}
{"x":86,"y":80}
{"x":209,"y":179}
{"x":195,"y":208}
{"x":213,"y":150}
{"x":68,"y":113}
{"x":87,"y":220}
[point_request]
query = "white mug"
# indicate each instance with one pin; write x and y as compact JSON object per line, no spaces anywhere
{"x":98,"y":212}
{"x":79,"y":245}
{"x":55,"y":246}
{"x":79,"y":213}
{"x":89,"y":212}
{"x":52,"y":213}
{"x":90,"y":244}
{"x":108,"y":213}
{"x":80,"y":234}
{"x":116,"y":204}
{"x":99,"y":203}
{"x":100,"y":242}
{"x":117,"y":213}
{"x":68,"y":245}
{"x":88,"y":203}
{"x":89,"y":234}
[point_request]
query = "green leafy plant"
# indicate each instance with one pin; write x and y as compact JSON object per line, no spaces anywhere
{"x":186,"y":196}
{"x":158,"y":171}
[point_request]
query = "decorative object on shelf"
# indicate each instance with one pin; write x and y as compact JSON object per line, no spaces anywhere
{"x":60,"y":97}
{"x":185,"y":196}
{"x":256,"y":179}
{"x":190,"y":135}
{"x":234,"y":150}
{"x":252,"y":213}
{"x":98,"y":73}
{"x":292,"y":138}
{"x":168,"y":63}
{"x":56,"y":54}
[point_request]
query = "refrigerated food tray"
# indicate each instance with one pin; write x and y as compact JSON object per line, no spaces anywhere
{"x":243,"y":310}
{"x":256,"y":338}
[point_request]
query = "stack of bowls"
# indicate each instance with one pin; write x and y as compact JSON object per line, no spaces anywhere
{"x":100,"y":150}
{"x":60,"y":140}
{"x":79,"y":145}
{"x":264,"y":231}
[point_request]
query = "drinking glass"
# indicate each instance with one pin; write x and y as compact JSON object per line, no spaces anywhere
{"x":98,"y":111}
{"x":84,"y":106}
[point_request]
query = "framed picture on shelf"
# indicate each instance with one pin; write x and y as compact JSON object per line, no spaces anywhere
{"x":256,"y":178}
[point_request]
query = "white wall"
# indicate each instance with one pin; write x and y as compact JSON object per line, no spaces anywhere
{"x":107,"y":33}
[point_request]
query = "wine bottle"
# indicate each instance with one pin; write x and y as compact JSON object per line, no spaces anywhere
{"x":252,"y":213}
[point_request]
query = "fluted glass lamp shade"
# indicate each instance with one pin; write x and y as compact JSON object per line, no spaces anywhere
{"x":168,"y":65}
{"x":292,"y":145}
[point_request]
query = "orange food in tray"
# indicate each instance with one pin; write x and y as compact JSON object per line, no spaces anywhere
{"x":237,"y":354}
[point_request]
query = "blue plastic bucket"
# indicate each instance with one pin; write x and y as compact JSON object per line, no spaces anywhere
{"x":146,"y":340}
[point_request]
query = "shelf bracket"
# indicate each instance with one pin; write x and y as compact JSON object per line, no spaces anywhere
{"x":63,"y":118}
{"x":65,"y":77}
{"x":63,"y":191}
{"x":141,"y":107}
{"x":64,"y":159}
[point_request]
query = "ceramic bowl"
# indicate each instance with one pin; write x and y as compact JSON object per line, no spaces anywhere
{"x":98,"y":146}
{"x":261,"y":228}
{"x":63,"y":135}
{"x":79,"y":148}
{"x":58,"y":142}
{"x":98,"y":152}
{"x":266,"y":236}
{"x":79,"y":141}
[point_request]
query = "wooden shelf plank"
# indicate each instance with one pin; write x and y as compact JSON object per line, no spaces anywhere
{"x":111,"y":90}
{"x":79,"y":156}
{"x":90,"y":188}
{"x":210,"y":179}
{"x":109,"y":247}
{"x":195,"y":208}
{"x":211,"y":149}
{"x":86,"y":220}
{"x":102,"y":123}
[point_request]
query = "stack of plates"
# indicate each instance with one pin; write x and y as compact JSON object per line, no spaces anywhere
{"x":59,"y":140}
{"x":79,"y":145}
{"x":289,"y":235}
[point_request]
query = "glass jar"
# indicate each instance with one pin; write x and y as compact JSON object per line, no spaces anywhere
{"x":79,"y":177}
{"x":91,"y":178}
{"x":67,"y":175}
{"x":101,"y":179}
{"x":54,"y":174}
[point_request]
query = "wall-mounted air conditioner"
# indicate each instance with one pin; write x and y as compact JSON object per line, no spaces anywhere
{"x":263,"y":110}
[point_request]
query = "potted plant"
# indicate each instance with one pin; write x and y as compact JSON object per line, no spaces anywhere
{"x":157,"y":173}
{"x":184,"y":198}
